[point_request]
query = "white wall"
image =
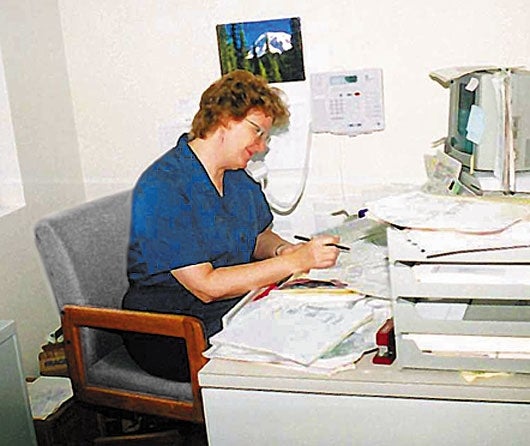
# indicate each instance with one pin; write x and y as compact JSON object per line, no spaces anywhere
{"x":130,"y":62}
{"x":46,"y":142}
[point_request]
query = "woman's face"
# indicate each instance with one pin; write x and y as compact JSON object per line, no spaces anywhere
{"x":245,"y":138}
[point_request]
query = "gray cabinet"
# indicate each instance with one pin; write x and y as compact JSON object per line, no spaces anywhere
{"x":16,"y":423}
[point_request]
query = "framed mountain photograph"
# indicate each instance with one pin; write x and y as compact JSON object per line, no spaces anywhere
{"x":270,"y":48}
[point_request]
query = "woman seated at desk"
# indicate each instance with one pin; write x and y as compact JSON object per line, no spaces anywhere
{"x":201,"y":229}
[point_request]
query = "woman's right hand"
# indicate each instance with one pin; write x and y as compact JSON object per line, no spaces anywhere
{"x":315,"y":254}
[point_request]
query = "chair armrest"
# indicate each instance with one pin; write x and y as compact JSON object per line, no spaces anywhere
{"x":189,"y":328}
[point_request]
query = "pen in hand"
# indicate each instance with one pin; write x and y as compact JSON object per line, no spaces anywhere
{"x":307,"y":239}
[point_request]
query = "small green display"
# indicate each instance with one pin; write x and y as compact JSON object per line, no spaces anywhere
{"x":341,"y":80}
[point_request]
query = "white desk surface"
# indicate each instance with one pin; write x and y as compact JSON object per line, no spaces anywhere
{"x":367,"y":380}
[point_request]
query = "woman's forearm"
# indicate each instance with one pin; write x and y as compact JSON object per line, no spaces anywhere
{"x":231,"y":281}
{"x":269,"y":244}
{"x":210,"y":284}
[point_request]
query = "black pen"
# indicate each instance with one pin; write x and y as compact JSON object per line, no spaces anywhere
{"x":307,"y":239}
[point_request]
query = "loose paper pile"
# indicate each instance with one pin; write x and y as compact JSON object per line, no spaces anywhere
{"x":417,"y":210}
{"x":314,"y":331}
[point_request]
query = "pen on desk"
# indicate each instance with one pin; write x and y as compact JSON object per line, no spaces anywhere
{"x":307,"y":239}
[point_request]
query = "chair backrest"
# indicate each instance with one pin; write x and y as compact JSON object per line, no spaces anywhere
{"x":84,"y":251}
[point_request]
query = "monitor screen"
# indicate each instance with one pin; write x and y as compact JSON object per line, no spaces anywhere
{"x":466,"y":99}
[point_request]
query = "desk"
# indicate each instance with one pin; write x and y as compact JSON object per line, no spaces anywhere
{"x":258,"y":404}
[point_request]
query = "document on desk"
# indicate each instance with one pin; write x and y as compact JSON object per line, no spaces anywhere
{"x":364,"y":269}
{"x":339,"y":358}
{"x":418,"y":210}
{"x":343,"y":357}
{"x":292,"y":329}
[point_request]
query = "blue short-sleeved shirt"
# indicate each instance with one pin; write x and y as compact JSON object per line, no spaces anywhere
{"x":179,"y":218}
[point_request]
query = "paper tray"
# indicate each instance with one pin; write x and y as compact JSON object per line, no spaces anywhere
{"x":410,"y":356}
{"x":460,"y":281}
{"x":480,"y":318}
{"x":485,"y":319}
{"x":401,"y":249}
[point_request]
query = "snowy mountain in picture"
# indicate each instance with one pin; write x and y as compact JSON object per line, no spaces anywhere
{"x":278,"y":42}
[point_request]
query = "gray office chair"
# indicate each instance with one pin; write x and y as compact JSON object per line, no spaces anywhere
{"x":84,"y":253}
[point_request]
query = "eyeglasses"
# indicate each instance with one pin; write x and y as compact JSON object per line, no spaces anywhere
{"x":260,"y":132}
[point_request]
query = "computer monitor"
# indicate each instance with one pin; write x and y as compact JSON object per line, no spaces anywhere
{"x":477,"y":116}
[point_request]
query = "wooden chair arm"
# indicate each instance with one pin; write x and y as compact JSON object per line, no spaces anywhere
{"x":189,"y":328}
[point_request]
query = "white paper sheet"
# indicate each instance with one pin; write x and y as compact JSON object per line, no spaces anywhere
{"x":418,"y":210}
{"x":491,"y":346}
{"x":297,"y":331}
{"x":441,"y":311}
{"x":473,"y":274}
{"x":47,"y":394}
{"x":364,"y":268}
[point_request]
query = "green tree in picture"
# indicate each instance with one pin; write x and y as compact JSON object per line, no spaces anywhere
{"x":271,"y":48}
{"x":227,"y":54}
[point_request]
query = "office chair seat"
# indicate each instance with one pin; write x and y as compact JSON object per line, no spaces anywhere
{"x":119,"y":371}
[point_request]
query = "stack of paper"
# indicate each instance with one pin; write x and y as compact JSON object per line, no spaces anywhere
{"x":317,"y":332}
{"x":418,"y":210}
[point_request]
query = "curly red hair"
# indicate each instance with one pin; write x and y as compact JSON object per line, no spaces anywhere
{"x":233,"y":96}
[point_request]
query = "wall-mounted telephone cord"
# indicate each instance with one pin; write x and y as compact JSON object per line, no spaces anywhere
{"x":286,"y":208}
